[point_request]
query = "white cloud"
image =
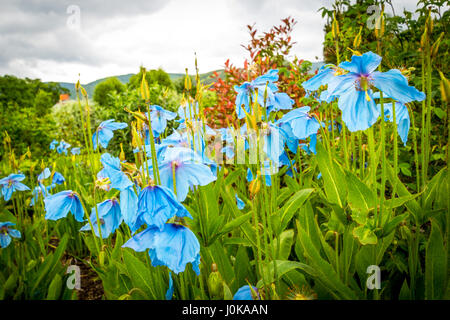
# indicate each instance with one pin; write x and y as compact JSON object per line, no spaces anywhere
{"x":116,"y":37}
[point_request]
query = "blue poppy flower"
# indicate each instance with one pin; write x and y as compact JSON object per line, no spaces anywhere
{"x":189,"y":171}
{"x":245,"y":293}
{"x":44,"y":174}
{"x":302,"y":125}
{"x":38,"y":191}
{"x":62,"y":147}
{"x":157,"y":204}
{"x":175,"y":246}
{"x":53,"y":144}
{"x":57,"y":206}
{"x":109,"y":215}
{"x":263,"y":85}
{"x":159,"y":117}
{"x":112,"y":170}
{"x":105,"y":132}
{"x":359,"y":110}
{"x":6,"y":233}
{"x":12,"y":183}
{"x":75,"y":151}
{"x":58,"y":178}
{"x":281,"y":101}
{"x":240,"y":204}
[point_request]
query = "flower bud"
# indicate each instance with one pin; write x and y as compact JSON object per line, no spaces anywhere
{"x":215,"y":283}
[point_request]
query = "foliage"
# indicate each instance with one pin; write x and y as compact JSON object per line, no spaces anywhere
{"x":104,"y":89}
{"x":268,"y":50}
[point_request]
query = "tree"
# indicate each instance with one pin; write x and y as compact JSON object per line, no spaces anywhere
{"x":103,"y":90}
{"x":158,"y":76}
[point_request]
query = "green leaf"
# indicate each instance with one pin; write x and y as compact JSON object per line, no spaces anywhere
{"x":360,"y":197}
{"x":333,"y":176}
{"x":286,"y":241}
{"x":365,"y":235}
{"x":139,"y":273}
{"x":435,"y":264}
{"x":283,"y":267}
{"x":235,"y":223}
{"x":292,"y":205}
{"x":54,"y":290}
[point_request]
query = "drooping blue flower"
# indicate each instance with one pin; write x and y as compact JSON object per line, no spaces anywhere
{"x":57,"y":206}
{"x":240,"y":204}
{"x":105,"y":132}
{"x":75,"y":151}
{"x":129,"y":207}
{"x":38,"y":191}
{"x":159,"y":117}
{"x":157,"y":204}
{"x":58,"y":178}
{"x":63,"y":147}
{"x":281,"y":101}
{"x":263,"y":85}
{"x":112,"y":170}
{"x":53,"y":144}
{"x":300,"y":123}
{"x":44,"y":174}
{"x":6,"y":233}
{"x":245,"y":293}
{"x":174,"y":246}
{"x":12,"y":183}
{"x":109,"y":215}
{"x":189,"y":171}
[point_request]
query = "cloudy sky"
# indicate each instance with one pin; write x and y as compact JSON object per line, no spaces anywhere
{"x":57,"y":40}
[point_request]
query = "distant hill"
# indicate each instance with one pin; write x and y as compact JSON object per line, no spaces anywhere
{"x":204,"y":77}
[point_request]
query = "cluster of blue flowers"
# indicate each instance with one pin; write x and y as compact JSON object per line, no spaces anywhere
{"x":63,"y":147}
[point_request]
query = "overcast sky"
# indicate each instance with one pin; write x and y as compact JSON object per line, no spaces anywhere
{"x":57,"y":40}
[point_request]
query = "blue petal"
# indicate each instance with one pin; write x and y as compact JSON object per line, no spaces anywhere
{"x":357,"y":112}
{"x":128,"y":207}
{"x":245,"y":293}
{"x":239,"y":202}
{"x":395,"y":85}
{"x":364,"y":65}
{"x":142,"y":241}
{"x":5,"y":240}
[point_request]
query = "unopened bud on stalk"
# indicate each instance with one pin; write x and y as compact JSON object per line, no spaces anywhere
{"x":254,"y":187}
{"x":215,"y":283}
{"x":121,"y":154}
